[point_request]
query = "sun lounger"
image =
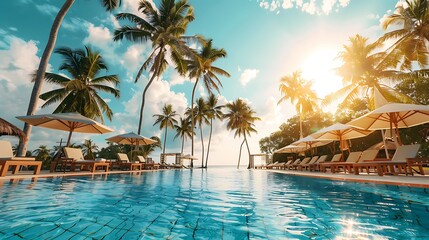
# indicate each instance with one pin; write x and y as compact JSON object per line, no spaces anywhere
{"x":8,"y":160}
{"x":74,"y":158}
{"x":125,"y":163}
{"x":295,"y":166}
{"x":304,"y":165}
{"x":336,"y":158}
{"x":270,"y":166}
{"x":367,"y":155}
{"x":352,"y":158}
{"x":286,"y":164}
{"x":403,"y":161}
{"x":313,"y":164}
{"x":146,"y":164}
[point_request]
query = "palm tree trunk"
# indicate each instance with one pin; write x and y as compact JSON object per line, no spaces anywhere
{"x":165,"y":140}
{"x":192,"y":118}
{"x":40,"y":75}
{"x":210,"y":139}
{"x":248,"y":150}
{"x":143,"y":102}
{"x":239,"y":155}
{"x":183,"y":143}
{"x":202,"y":146}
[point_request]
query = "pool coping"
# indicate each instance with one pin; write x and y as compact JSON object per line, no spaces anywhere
{"x":406,"y":181}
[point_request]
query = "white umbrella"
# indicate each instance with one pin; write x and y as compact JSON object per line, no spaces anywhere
{"x":290,"y":149}
{"x":71,"y":122}
{"x":131,"y":139}
{"x":310,"y":142}
{"x":393,"y":116}
{"x":340,"y":132}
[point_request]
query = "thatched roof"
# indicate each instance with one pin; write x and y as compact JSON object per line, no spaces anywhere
{"x":7,"y":128}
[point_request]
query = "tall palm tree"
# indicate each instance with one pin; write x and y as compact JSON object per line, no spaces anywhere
{"x":240,"y":117}
{"x":166,"y":120}
{"x":411,"y":39}
{"x":201,"y":67}
{"x":89,"y":148}
{"x":199,"y":116}
{"x":109,"y":5}
{"x":298,"y":91}
{"x":164,"y":27}
{"x":214,"y":111}
{"x":183,"y":130}
{"x":80,"y":91}
{"x":363,"y":71}
{"x":148,"y":149}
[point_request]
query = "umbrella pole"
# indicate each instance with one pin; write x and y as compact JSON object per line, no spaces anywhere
{"x":385,"y":145}
{"x":70,"y":135}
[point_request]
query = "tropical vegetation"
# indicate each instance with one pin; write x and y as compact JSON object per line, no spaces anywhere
{"x":165,"y":121}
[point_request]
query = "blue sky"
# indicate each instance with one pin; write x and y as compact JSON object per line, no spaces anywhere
{"x":265,"y":40}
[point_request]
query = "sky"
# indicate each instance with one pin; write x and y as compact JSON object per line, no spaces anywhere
{"x":265,"y":40}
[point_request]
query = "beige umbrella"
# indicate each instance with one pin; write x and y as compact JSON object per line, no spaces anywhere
{"x":131,"y":139}
{"x":291,"y":149}
{"x":310,"y":142}
{"x":7,"y":128}
{"x":393,"y":116}
{"x":71,"y":122}
{"x":340,"y":132}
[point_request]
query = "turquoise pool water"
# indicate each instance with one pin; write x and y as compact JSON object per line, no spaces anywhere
{"x":219,"y":203}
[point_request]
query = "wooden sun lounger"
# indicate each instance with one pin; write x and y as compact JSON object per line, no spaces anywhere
{"x":74,"y":159}
{"x":125,"y":163}
{"x":295,"y":166}
{"x":8,"y":160}
{"x":313,"y":165}
{"x":367,"y":155}
{"x":402,"y":161}
{"x":305,"y":165}
{"x":335,"y":159}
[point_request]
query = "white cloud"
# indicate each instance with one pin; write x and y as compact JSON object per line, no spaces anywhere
{"x":47,"y":9}
{"x":177,"y":79}
{"x":247,"y":75}
{"x":134,"y":57}
{"x":310,"y":6}
{"x":75,"y":24}
{"x":100,"y":37}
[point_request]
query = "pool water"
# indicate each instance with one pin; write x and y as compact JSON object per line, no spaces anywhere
{"x":218,"y":203}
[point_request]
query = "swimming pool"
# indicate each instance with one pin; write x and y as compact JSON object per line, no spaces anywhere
{"x":220,"y":203}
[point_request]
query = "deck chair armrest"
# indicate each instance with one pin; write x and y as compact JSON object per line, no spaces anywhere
{"x":417,"y":160}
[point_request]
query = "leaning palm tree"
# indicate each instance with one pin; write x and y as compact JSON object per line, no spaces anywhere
{"x":411,"y":38}
{"x":80,"y":92}
{"x":363,"y":71}
{"x":201,"y":67}
{"x":183,"y":130}
{"x":166,"y":120}
{"x":89,"y":148}
{"x":164,"y":27}
{"x":298,"y":91}
{"x":199,"y":116}
{"x":214,"y":111}
{"x":240,"y":117}
{"x":109,"y":5}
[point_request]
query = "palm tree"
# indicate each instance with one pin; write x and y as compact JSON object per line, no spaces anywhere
{"x":183,"y":130}
{"x":79,"y":93}
{"x":164,"y":27}
{"x":412,"y":37}
{"x":199,"y":115}
{"x":166,"y":120}
{"x":89,"y":148}
{"x":148,"y":149}
{"x":44,"y":61}
{"x":363,"y":71}
{"x":201,"y":67}
{"x":240,"y":117}
{"x":214,"y":111}
{"x":298,"y":91}
{"x":43,"y":154}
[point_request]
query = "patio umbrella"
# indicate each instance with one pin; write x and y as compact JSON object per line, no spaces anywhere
{"x":71,"y":122}
{"x":393,"y":116}
{"x":291,"y":149}
{"x":340,"y":132}
{"x":310,"y":142}
{"x":7,"y":128}
{"x":131,"y":139}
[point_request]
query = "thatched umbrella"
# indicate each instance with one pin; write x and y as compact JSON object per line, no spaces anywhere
{"x":7,"y":128}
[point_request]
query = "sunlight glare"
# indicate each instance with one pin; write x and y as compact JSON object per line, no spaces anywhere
{"x":320,"y":67}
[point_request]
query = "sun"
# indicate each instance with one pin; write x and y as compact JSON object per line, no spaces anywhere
{"x":320,"y":67}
